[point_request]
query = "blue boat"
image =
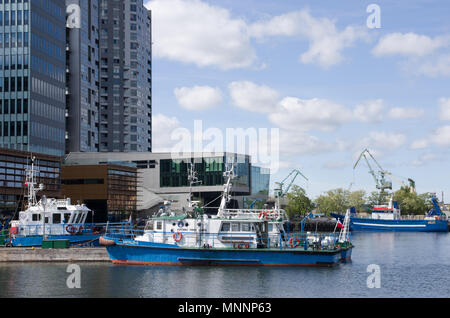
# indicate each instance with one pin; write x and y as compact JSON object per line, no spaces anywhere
{"x":389,"y":218}
{"x":233,"y":237}
{"x":51,"y":219}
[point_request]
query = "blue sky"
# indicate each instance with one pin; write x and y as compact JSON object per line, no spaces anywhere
{"x":315,"y":71}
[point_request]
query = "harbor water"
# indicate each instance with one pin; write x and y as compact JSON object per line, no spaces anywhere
{"x":410,"y":265}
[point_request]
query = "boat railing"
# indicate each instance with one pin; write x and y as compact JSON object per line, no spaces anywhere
{"x":312,"y":241}
{"x":255,"y":213}
{"x":62,"y":229}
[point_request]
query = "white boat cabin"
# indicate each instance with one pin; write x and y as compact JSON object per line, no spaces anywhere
{"x":61,"y":218}
{"x":214,"y":232}
{"x":386,"y":212}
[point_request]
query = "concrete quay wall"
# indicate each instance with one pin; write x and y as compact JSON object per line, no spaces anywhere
{"x":26,"y":254}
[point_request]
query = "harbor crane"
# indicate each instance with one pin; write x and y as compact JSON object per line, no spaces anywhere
{"x":381,"y":183}
{"x":280,"y":192}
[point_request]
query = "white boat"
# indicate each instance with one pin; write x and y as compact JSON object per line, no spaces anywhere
{"x":63,"y":220}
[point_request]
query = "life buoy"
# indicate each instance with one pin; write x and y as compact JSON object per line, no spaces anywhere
{"x":177,"y":237}
{"x":72,"y":229}
{"x":294,"y":242}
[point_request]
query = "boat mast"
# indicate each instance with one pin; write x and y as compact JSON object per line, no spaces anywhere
{"x":226,"y":196}
{"x":30,"y":184}
{"x":193,"y":179}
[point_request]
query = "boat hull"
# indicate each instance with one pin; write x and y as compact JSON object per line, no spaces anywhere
{"x":374,"y":225}
{"x":34,"y":241}
{"x":141,"y":253}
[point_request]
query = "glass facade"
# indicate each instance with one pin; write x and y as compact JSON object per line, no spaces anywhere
{"x":32,"y":75}
{"x":13,"y":168}
{"x":260,"y":181}
{"x":174,"y":173}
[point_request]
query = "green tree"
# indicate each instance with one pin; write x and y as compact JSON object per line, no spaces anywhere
{"x":339,"y":200}
{"x":377,"y":198}
{"x":358,"y":200}
{"x":298,"y":202}
{"x":411,"y":203}
{"x":333,"y":201}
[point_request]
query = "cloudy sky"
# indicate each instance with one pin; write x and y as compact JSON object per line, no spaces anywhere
{"x":318,"y":73}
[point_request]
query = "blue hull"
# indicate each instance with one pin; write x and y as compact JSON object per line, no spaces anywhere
{"x":30,"y":241}
{"x":371,"y":225}
{"x":140,"y":253}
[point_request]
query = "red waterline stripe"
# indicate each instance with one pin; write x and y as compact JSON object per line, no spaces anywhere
{"x":142,"y":263}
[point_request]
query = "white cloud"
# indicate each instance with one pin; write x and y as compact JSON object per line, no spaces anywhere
{"x":192,"y":31}
{"x":371,"y":111}
{"x":409,"y":44}
{"x":444,"y":107}
{"x":419,"y":144}
{"x":198,"y":97}
{"x":441,"y":136}
{"x":326,"y":41}
{"x":253,"y":97}
{"x":434,"y":67}
{"x":380,"y":142}
{"x":300,"y":143}
{"x":424,"y":159}
{"x":313,"y":114}
{"x":162,"y":128}
{"x":405,"y":113}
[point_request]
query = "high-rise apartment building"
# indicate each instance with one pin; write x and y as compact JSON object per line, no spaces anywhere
{"x":125,"y":76}
{"x":82,"y":55}
{"x":75,"y":76}
{"x":32,"y":75}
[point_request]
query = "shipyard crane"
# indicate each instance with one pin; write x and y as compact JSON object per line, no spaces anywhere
{"x":381,"y":183}
{"x":279,"y":192}
{"x":411,"y":183}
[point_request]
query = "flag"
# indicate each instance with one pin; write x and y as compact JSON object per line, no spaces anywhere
{"x":339,"y":224}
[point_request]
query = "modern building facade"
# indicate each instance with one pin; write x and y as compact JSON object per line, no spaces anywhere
{"x":82,"y":76}
{"x":110,"y":190}
{"x":13,"y":167}
{"x":125,"y":77}
{"x":32,"y":75}
{"x":163,"y":178}
{"x":75,"y":76}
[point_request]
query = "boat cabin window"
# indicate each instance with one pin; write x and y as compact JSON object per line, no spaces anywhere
{"x":77,"y":218}
{"x":67,"y":217}
{"x":36,"y":217}
{"x":149,"y":226}
{"x":56,"y":218}
{"x":225,"y":227}
{"x":159,"y":225}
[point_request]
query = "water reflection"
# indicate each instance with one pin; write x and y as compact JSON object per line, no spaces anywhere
{"x":412,"y":265}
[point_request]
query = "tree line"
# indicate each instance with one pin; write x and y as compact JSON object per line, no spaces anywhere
{"x":339,"y":200}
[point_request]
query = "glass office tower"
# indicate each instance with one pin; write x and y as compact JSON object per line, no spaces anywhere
{"x":32,"y":75}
